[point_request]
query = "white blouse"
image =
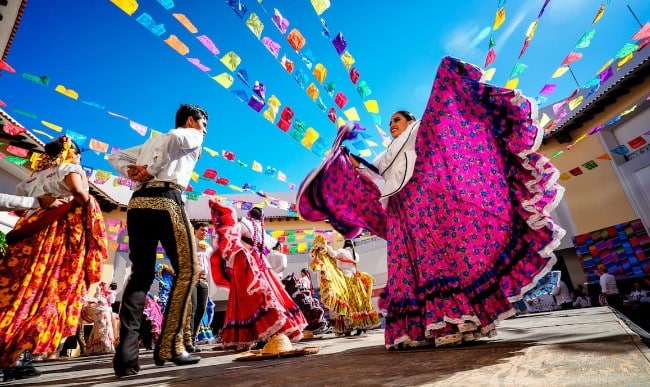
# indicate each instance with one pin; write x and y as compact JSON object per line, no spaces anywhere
{"x":51,"y":181}
{"x":396,"y":163}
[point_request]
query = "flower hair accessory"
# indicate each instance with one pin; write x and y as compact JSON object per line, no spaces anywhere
{"x":66,"y":154}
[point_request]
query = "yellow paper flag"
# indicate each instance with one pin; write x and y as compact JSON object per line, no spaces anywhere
{"x":499,"y":18}
{"x":52,"y":126}
{"x":320,"y":6}
{"x":257,"y":167}
{"x":128,"y":6}
{"x":211,"y":151}
{"x":302,"y":247}
{"x":544,"y":120}
{"x":599,"y":14}
{"x":372,"y":106}
{"x":195,"y":176}
{"x":352,"y":115}
{"x":347,"y":59}
{"x":574,"y":103}
{"x":311,"y":135}
{"x":560,"y":71}
{"x":177,"y":45}
{"x":312,"y":91}
{"x":531,"y":30}
{"x":231,"y":60}
{"x":565,"y":176}
{"x":625,"y":60}
{"x":320,"y":72}
{"x":365,"y":152}
{"x":224,"y":79}
{"x":270,"y":114}
{"x":512,"y":83}
{"x":274,"y":101}
{"x":340,"y":122}
{"x":255,"y":25}
{"x":186,"y":22}
{"x":489,"y":74}
{"x":67,"y":92}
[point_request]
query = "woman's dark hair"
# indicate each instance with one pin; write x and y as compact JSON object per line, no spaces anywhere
{"x":407,"y":114}
{"x":304,"y":271}
{"x":54,"y":148}
{"x":186,"y":111}
{"x":256,"y":213}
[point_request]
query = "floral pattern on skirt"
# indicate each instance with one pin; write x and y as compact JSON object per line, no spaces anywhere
{"x":43,"y":279}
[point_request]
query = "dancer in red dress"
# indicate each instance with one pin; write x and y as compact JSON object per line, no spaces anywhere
{"x":258,"y":305}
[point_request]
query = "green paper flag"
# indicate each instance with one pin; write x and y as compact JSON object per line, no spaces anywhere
{"x":517,"y":70}
{"x":591,"y":164}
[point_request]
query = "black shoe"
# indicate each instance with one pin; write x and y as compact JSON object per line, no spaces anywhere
{"x":8,"y":374}
{"x":125,"y":372}
{"x":185,"y":358}
{"x":192,"y":348}
{"x":258,"y":345}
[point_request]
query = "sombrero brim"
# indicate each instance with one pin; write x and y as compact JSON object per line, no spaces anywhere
{"x":257,"y":354}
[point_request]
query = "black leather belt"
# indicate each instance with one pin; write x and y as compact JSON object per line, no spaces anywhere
{"x":161,"y":184}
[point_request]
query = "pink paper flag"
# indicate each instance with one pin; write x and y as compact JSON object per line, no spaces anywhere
{"x":572,"y":57}
{"x":17,"y":151}
{"x":548,"y":89}
{"x":209,"y":44}
{"x":197,"y":62}
{"x":12,"y":129}
{"x":5,"y":66}
{"x":642,"y":33}
{"x":141,"y":129}
{"x":491,"y":56}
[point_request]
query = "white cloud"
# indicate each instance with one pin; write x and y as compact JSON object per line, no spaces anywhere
{"x":562,"y":11}
{"x":509,"y":27}
{"x":459,"y":43}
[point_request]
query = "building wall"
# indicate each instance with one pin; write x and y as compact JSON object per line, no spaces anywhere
{"x":596,"y":198}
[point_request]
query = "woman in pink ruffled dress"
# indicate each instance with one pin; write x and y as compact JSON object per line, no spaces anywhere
{"x":466,"y":202}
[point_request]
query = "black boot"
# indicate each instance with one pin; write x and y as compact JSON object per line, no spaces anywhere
{"x":23,"y":369}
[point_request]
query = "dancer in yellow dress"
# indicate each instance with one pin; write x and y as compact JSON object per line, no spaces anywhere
{"x":343,"y":289}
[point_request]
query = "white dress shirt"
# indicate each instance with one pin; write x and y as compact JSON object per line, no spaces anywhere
{"x":608,"y":284}
{"x":169,"y":158}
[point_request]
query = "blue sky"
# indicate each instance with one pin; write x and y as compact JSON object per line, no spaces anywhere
{"x":110,"y":59}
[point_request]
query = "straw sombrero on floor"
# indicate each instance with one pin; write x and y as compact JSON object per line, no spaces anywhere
{"x":278,"y":346}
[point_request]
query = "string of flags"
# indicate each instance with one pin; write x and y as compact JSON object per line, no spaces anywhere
{"x":99,"y":146}
{"x":348,"y":61}
{"x":295,"y":241}
{"x":623,"y":149}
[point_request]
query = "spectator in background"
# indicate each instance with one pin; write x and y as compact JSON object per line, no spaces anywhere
{"x":277,"y":260}
{"x":581,"y":300}
{"x":121,"y":267}
{"x":200,"y":291}
{"x":562,"y":295}
{"x":609,"y":291}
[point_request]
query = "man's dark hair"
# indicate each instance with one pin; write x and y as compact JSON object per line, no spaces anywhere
{"x":186,"y":110}
{"x":198,"y":225}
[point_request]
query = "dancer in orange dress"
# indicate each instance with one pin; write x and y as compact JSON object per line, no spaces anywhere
{"x":53,"y":257}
